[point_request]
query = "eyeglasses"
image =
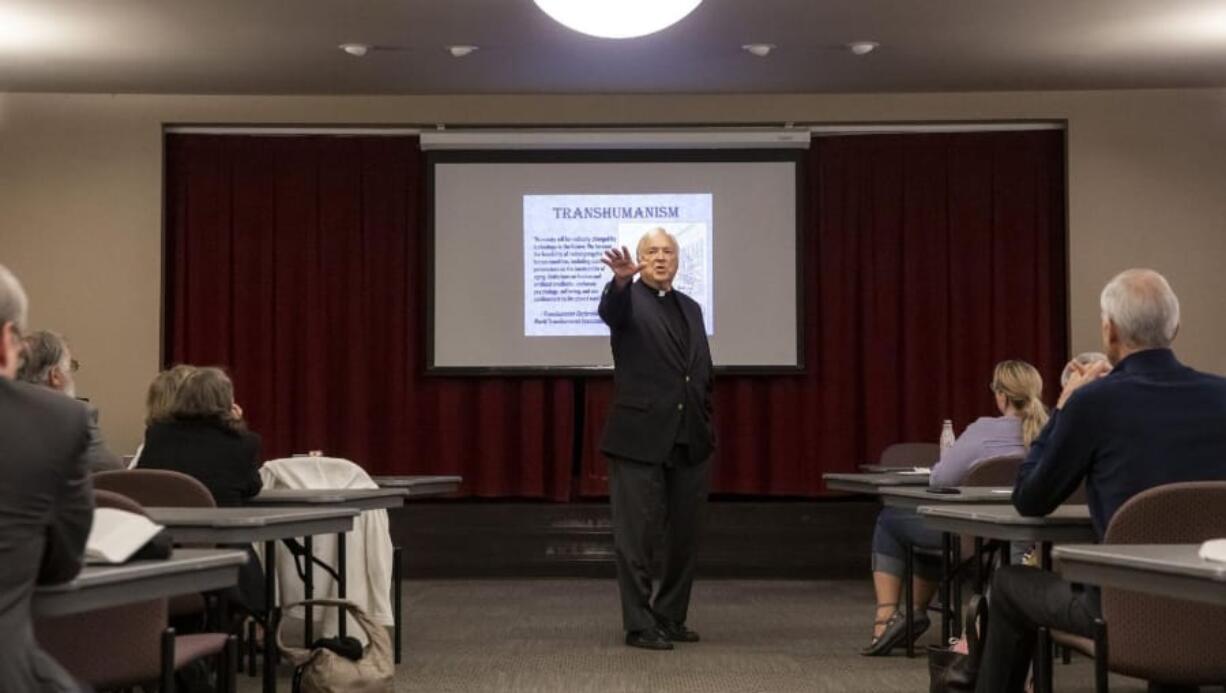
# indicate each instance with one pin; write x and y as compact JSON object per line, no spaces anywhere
{"x":73,"y":365}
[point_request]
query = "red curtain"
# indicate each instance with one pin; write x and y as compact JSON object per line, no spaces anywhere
{"x":928,"y":258}
{"x":296,"y":264}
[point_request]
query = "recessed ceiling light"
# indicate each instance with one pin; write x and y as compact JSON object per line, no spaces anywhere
{"x":357,"y":50}
{"x":461,"y":51}
{"x":759,"y":49}
{"x":617,"y":19}
{"x":862,"y":47}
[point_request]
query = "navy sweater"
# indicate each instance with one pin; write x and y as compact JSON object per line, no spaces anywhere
{"x":1151,"y":421}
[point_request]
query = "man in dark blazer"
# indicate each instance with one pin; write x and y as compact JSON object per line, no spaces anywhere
{"x":46,"y":502}
{"x":1149,"y":421}
{"x":658,"y":438}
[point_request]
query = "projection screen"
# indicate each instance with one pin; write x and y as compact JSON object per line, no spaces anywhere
{"x":516,"y":239}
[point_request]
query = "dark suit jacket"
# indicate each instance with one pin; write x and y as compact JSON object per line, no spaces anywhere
{"x":225,"y":460}
{"x":1151,"y":421}
{"x":46,"y":509}
{"x":658,"y":386}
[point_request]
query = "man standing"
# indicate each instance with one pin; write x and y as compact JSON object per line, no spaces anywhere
{"x":48,"y":362}
{"x":1140,"y":421}
{"x":46,"y":502}
{"x":658,"y":437}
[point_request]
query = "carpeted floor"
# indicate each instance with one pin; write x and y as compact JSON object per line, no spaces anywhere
{"x":564,"y":636}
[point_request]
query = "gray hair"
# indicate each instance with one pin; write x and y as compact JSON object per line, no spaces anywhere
{"x":638,"y":250}
{"x":1143,"y":308}
{"x":13,"y":302}
{"x":44,"y":351}
{"x":1085,"y":358}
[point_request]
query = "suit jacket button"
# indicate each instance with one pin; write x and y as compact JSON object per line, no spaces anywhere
{"x":687,"y":378}
{"x":680,"y":407}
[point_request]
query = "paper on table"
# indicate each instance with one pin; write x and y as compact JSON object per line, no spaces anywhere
{"x":917,"y":471}
{"x":116,"y":535}
{"x":1002,"y":491}
{"x":1214,"y":550}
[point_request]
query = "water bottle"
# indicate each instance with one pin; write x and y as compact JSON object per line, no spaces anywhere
{"x":947,"y":434}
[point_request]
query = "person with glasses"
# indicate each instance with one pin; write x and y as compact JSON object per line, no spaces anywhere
{"x":47,"y":361}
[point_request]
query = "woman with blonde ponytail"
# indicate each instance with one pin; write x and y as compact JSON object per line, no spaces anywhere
{"x":1017,"y":387}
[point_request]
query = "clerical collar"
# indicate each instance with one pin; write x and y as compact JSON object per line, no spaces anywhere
{"x":660,"y":293}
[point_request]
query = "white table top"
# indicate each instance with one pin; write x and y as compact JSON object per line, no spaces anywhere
{"x":1169,"y":570}
{"x":1068,"y":523}
{"x":360,"y":498}
{"x":251,"y":524}
{"x":104,"y":586}
{"x":914,"y":496}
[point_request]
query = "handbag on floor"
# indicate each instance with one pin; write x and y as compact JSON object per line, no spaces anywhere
{"x":327,"y":668}
{"x":954,"y":672}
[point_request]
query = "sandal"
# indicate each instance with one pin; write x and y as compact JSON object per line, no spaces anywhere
{"x":879,"y":622}
{"x":895,"y":633}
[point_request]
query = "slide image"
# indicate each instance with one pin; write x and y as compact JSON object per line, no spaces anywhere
{"x":566,"y":235}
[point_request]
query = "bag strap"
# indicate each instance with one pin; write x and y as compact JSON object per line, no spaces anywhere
{"x":300,"y":656}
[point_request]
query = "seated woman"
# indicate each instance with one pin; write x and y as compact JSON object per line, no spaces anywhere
{"x":202,"y":434}
{"x":1017,"y":387}
{"x":160,"y":401}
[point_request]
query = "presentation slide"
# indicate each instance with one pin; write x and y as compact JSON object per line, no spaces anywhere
{"x":516,"y":240}
{"x":566,"y":235}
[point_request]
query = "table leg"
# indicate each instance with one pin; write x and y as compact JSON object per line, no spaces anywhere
{"x":270,"y":617}
{"x":397,"y":616}
{"x":955,"y":588}
{"x":1043,"y":681}
{"x":978,"y":565}
{"x":308,"y":593}
{"x":342,"y":577}
{"x":946,"y":576}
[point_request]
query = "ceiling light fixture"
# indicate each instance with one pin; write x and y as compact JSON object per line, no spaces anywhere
{"x":461,"y":51}
{"x":357,"y":50}
{"x":617,"y":19}
{"x":862,"y":47}
{"x":759,"y":49}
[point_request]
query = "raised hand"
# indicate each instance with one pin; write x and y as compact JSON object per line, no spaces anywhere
{"x":623,"y":267}
{"x":1082,"y":374}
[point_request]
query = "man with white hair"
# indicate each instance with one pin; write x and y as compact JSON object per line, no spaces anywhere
{"x":46,"y":501}
{"x":47,"y":361}
{"x":658,"y":437}
{"x":1140,"y":421}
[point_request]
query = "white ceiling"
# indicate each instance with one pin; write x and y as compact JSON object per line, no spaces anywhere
{"x":289,"y":47}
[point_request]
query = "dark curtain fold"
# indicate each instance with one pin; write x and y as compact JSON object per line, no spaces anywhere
{"x":928,"y":258}
{"x":296,"y":264}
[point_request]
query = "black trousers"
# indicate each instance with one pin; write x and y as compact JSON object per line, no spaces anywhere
{"x":1022,"y":599}
{"x":657,"y":512}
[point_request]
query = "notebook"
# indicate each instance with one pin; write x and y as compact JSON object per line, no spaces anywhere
{"x":116,"y":535}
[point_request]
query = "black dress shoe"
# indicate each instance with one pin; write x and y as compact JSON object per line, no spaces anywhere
{"x":895,"y":633}
{"x":677,"y":632}
{"x":649,"y":639}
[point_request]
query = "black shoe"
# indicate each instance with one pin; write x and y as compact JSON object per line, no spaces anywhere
{"x":677,"y":632}
{"x":649,"y":639}
{"x":895,"y":633}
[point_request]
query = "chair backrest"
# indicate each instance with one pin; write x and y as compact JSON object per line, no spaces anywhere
{"x":107,"y":648}
{"x":156,"y":488}
{"x":910,"y":455}
{"x":130,"y":653}
{"x":110,"y":499}
{"x":994,"y":471}
{"x":1165,"y":640}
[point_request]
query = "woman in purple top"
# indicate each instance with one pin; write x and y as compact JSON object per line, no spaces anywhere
{"x":1017,"y":387}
